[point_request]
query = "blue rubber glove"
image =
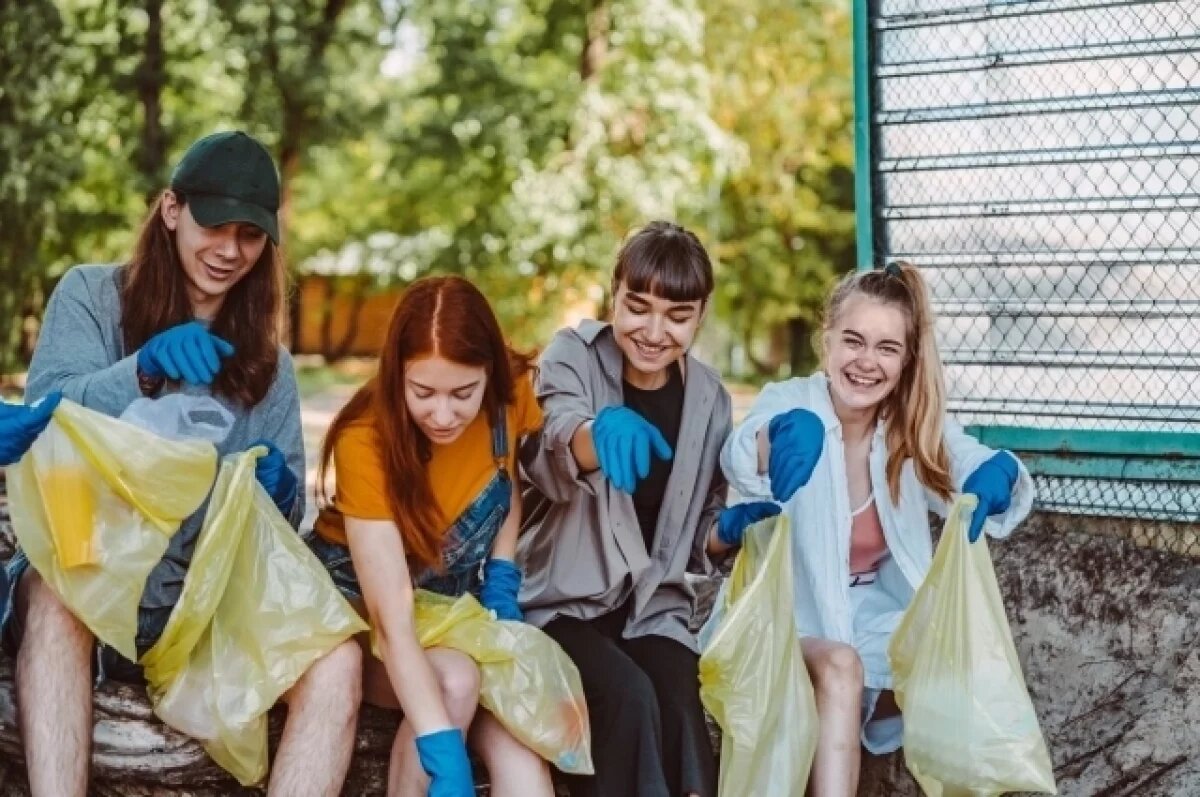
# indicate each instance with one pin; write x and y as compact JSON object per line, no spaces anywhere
{"x":501,"y":583}
{"x":275,"y":476}
{"x":734,"y":520}
{"x":992,"y":483}
{"x":443,"y":756}
{"x":624,"y":442}
{"x":20,"y":426}
{"x":187,"y":352}
{"x":797,"y":439}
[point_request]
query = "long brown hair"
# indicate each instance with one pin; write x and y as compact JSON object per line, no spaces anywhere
{"x":915,"y":410}
{"x":436,"y":316}
{"x":154,"y":298}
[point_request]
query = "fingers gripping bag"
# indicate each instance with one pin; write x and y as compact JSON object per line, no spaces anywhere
{"x":527,"y":682}
{"x":94,"y":504}
{"x":969,"y":726}
{"x":752,"y":675}
{"x":256,"y":611}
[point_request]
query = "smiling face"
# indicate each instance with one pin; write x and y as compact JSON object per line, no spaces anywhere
{"x":442,"y":396}
{"x":652,"y":333}
{"x":866,"y":352}
{"x":214,"y":259}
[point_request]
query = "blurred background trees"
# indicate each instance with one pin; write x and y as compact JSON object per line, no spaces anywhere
{"x":513,"y":142}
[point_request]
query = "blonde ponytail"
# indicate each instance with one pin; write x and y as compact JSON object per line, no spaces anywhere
{"x":915,"y":411}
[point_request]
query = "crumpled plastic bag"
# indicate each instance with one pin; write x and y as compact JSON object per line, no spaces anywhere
{"x":969,"y":726}
{"x":181,"y":416}
{"x":752,"y":675}
{"x":527,"y":682}
{"x":94,"y":504}
{"x":256,"y":611}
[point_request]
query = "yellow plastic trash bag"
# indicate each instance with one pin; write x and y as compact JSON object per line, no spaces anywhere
{"x":752,"y":675}
{"x":94,"y":504}
{"x":527,"y":682}
{"x":256,"y":611}
{"x":969,"y":727}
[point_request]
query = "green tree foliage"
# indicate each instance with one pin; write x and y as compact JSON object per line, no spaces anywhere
{"x":515,"y":142}
{"x":310,"y":80}
{"x":539,"y":133}
{"x":39,"y":156}
{"x":782,"y":78}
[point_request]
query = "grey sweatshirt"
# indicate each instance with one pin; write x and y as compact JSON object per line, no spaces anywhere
{"x":81,"y":352}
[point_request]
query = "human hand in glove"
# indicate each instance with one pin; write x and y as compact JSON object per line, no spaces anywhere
{"x":797,"y":438}
{"x":187,"y":352}
{"x":992,"y":483}
{"x":20,"y":425}
{"x":734,"y":520}
{"x":624,"y":442}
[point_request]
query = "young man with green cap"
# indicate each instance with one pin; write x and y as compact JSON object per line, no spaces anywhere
{"x":198,"y":309}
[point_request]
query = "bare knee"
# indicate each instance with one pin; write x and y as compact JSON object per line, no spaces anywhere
{"x":335,"y":679}
{"x":514,"y":768}
{"x":458,"y":679}
{"x":837,"y":670}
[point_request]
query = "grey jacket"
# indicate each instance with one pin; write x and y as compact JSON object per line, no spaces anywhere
{"x":81,"y":352}
{"x":581,"y":548}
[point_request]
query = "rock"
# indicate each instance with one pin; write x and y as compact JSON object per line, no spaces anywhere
{"x":1107,"y":634}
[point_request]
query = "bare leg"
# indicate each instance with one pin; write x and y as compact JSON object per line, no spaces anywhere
{"x":458,"y":678}
{"x":515,"y":770}
{"x":318,"y":737}
{"x":54,"y":692}
{"x":837,"y":676}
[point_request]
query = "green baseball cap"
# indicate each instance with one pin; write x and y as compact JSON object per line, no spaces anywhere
{"x":230,"y":177}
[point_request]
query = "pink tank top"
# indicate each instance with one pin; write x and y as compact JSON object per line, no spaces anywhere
{"x":868,"y":547}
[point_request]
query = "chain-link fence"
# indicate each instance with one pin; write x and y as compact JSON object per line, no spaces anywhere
{"x":1040,"y":161}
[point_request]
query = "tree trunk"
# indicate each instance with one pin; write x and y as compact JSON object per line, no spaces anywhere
{"x":358,"y":298}
{"x":775,"y":353}
{"x":151,"y":77}
{"x":595,"y":46}
{"x":800,"y":349}
{"x":325,"y":341}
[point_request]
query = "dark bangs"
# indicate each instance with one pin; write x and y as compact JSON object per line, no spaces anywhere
{"x":667,"y":261}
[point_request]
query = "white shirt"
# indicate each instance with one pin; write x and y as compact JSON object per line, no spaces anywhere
{"x":820,"y":512}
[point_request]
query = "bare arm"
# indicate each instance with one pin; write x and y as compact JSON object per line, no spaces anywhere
{"x":378,"y":554}
{"x":714,"y":546}
{"x":764,"y":449}
{"x":584,"y":449}
{"x":505,"y":546}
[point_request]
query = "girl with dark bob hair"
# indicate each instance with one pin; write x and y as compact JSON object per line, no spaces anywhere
{"x":627,"y":496}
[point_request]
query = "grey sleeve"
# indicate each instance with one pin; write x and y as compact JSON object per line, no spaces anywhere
{"x":546,"y":457}
{"x":718,"y":494}
{"x":71,"y":355}
{"x":278,"y":420}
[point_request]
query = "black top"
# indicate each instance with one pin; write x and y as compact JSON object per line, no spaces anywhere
{"x":663,"y":407}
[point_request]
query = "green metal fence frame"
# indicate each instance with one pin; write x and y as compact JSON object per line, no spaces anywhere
{"x":1072,"y":453}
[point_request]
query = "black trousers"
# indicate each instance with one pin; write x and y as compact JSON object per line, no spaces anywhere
{"x":643,"y":695}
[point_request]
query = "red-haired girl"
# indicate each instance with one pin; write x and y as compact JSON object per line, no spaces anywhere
{"x":426,"y":497}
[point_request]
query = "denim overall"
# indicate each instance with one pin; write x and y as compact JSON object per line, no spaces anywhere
{"x":466,"y":546}
{"x":151,"y":622}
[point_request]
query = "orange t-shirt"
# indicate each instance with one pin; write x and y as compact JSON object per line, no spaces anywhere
{"x":458,"y":472}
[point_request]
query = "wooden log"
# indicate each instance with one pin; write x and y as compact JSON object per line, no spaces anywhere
{"x":1106,"y":632}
